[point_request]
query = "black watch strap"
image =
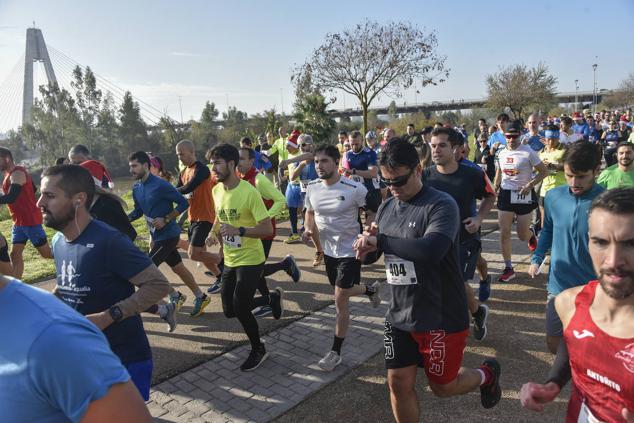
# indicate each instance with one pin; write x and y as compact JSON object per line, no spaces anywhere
{"x":116,"y":313}
{"x":242,"y":230}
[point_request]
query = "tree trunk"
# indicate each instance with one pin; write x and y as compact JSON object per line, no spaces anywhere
{"x":364,"y":108}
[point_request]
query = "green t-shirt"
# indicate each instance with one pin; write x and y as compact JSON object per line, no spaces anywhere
{"x":240,"y":206}
{"x":279,"y":147}
{"x":555,"y":177}
{"x":613,"y":177}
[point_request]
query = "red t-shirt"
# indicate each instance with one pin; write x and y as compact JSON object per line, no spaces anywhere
{"x":602,"y":366}
{"x":24,"y":211}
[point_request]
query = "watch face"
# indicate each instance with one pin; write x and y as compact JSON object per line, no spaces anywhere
{"x":115,"y":313}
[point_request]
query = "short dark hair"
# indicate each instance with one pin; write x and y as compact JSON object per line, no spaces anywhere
{"x":246,"y":140}
{"x":73,"y":180}
{"x":582,"y":156}
{"x":617,"y":201}
{"x":225,"y":151}
{"x":482,"y":120}
{"x":329,"y":150}
{"x":5,"y":152}
{"x":399,"y":152}
{"x":552,"y":127}
{"x":344,"y":133}
{"x":141,"y":157}
{"x":624,"y":144}
{"x":411,"y":124}
{"x":567,"y":120}
{"x":60,"y":160}
{"x":250,"y":152}
{"x":356,"y":134}
{"x":80,"y":149}
{"x":454,"y":137}
{"x":503,"y":117}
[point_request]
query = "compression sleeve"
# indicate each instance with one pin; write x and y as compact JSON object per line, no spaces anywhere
{"x":200,"y":174}
{"x":12,"y":195}
{"x":430,"y":248}
{"x":560,"y":372}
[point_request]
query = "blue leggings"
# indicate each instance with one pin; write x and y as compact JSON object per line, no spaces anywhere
{"x":141,"y":375}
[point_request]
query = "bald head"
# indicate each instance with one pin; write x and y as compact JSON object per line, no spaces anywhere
{"x":185,"y":152}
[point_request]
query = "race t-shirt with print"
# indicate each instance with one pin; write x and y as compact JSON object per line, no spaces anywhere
{"x":435,"y":299}
{"x":240,"y":206}
{"x":93,"y":274}
{"x":517,"y":166}
{"x":361,"y":161}
{"x":336,"y":210}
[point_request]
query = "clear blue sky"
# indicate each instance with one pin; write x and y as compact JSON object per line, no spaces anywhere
{"x":243,"y":50}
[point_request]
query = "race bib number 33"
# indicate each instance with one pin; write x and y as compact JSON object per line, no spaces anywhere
{"x":399,"y":271}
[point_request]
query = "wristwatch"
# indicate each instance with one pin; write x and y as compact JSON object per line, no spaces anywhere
{"x":116,"y":313}
{"x":242,"y":230}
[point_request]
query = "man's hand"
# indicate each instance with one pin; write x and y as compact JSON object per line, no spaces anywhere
{"x":496,"y":145}
{"x":371,"y":230}
{"x":228,"y":230}
{"x":364,"y":245}
{"x":307,"y":237}
{"x":472,"y":224}
{"x":533,"y":270}
{"x":101,"y":320}
{"x":158,"y":223}
{"x":212,"y":239}
{"x":533,"y":396}
{"x":526,"y":189}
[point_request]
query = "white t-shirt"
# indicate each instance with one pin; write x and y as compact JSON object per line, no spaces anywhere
{"x":336,"y":210}
{"x":567,"y":139}
{"x":517,"y":166}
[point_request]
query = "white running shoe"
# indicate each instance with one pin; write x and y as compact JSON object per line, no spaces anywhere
{"x":330,"y":361}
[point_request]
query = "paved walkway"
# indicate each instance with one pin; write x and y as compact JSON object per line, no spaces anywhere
{"x":218,"y":391}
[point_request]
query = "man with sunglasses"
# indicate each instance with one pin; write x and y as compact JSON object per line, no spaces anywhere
{"x":427,"y":323}
{"x":332,"y":209}
{"x":517,"y":196}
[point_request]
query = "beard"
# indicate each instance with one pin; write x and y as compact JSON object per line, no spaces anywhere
{"x":57,"y":222}
{"x":623,"y":290}
{"x":326,"y":175}
{"x":625,"y":162}
{"x":221,"y":177}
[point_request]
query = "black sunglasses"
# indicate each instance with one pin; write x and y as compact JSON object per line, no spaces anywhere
{"x":399,"y":181}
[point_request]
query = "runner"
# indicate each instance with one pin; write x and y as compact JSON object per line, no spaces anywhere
{"x":6,"y":268}
{"x":275,"y":204}
{"x":598,"y":321}
{"x":154,"y":199}
{"x":80,"y":155}
{"x":361,"y":167}
{"x":195,"y":183}
{"x":278,"y":153}
{"x":58,"y":367}
{"x":418,"y":231}
{"x":565,"y":231}
{"x":516,"y":198}
{"x":262,"y":162}
{"x":552,"y":157}
{"x":108,"y":207}
{"x":98,"y":269}
{"x":293,"y":188}
{"x":622,"y":173}
{"x":19,"y":196}
{"x":242,"y":220}
{"x":332,"y":208}
{"x":464,"y":184}
{"x":533,"y":138}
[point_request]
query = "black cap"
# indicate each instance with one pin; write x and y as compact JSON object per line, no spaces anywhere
{"x":513,"y":128}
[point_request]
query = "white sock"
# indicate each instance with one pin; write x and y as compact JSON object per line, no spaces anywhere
{"x":482,"y":376}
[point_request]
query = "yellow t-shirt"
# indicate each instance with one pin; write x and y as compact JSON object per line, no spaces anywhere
{"x":555,"y":177}
{"x":240,"y":206}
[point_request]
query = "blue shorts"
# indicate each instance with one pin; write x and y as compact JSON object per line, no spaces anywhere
{"x":35,"y":234}
{"x":141,"y":375}
{"x":294,"y":196}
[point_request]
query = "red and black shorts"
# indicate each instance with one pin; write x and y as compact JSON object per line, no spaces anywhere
{"x":438,"y":352}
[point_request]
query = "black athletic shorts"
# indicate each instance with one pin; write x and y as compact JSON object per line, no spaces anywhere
{"x":504,"y":203}
{"x":373,"y":200}
{"x":165,"y":251}
{"x":469,"y":253}
{"x":344,"y":272}
{"x":198,"y":232}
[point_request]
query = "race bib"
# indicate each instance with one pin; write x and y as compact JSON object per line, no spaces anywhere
{"x":376,"y":183}
{"x":149,"y":221}
{"x":585,"y":415}
{"x":517,"y":198}
{"x":356,"y":178}
{"x":303,"y":184}
{"x":232,"y":241}
{"x":399,"y":271}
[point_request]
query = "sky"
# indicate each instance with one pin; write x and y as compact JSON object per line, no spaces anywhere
{"x":175,"y":55}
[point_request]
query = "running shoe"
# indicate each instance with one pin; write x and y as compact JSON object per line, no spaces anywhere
{"x":262,"y":311}
{"x":491,"y":393}
{"x":199,"y":305}
{"x":292,"y":239}
{"x":485,"y":289}
{"x":330,"y":361}
{"x":277,"y":302}
{"x":480,"y":322}
{"x":170,"y":317}
{"x":507,"y":275}
{"x":178,"y":299}
{"x":215,"y":287}
{"x":291,"y":268}
{"x":256,"y":357}
{"x":532,"y":242}
{"x":375,"y":297}
{"x":319,"y":258}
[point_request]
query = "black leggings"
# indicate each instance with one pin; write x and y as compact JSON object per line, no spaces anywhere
{"x":238,"y":289}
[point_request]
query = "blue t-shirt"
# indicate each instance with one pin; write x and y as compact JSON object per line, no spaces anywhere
{"x":582,"y":129}
{"x":156,"y":198}
{"x":54,"y":362}
{"x":497,"y":136}
{"x":93,"y":274}
{"x":533,"y":141}
{"x":262,"y":163}
{"x":361,"y":161}
{"x":308,"y":173}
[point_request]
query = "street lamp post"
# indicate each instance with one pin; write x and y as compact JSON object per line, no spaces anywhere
{"x":594,"y":92}
{"x":576,"y":93}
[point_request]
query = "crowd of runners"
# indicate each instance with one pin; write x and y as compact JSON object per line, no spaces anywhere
{"x":416,"y":203}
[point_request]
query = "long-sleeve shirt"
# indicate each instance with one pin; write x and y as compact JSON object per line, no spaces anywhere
{"x":154,"y":198}
{"x":565,"y":233}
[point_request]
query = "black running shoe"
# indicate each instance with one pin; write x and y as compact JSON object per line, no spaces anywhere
{"x":256,"y":357}
{"x":491,"y":393}
{"x":480,"y":322}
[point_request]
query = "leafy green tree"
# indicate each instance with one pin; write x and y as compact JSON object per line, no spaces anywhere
{"x":132,"y":128}
{"x":312,"y":117}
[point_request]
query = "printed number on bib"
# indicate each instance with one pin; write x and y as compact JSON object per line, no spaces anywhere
{"x":303,"y":184}
{"x":517,"y":198}
{"x":232,"y":241}
{"x":585,"y":415}
{"x":399,"y":271}
{"x":356,"y":178}
{"x":375,"y":183}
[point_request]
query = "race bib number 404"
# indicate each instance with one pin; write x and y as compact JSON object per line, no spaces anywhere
{"x":232,"y":241}
{"x":399,"y":271}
